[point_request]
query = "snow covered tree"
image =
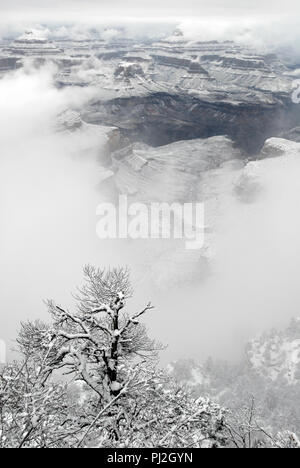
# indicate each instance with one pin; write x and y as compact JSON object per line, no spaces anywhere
{"x":163,"y":415}
{"x":246,"y":429}
{"x":286,"y":439}
{"x":100,"y":344}
{"x":123,"y":399}
{"x":33,"y":414}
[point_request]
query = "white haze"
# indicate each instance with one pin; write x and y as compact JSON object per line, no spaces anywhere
{"x":47,"y":206}
{"x":265,"y":26}
{"x":48,"y":198}
{"x":89,"y":9}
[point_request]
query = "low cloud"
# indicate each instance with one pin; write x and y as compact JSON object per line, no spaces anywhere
{"x":48,"y":196}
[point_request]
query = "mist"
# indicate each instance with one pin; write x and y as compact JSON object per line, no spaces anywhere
{"x":48,"y":197}
{"x":49,"y":194}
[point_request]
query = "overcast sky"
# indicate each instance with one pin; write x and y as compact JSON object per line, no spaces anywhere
{"x":156,"y":9}
{"x":262,"y":24}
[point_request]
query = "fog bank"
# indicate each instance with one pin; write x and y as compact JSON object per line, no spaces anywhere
{"x":49,"y":194}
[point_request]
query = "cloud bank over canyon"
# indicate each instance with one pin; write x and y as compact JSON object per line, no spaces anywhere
{"x":51,"y":175}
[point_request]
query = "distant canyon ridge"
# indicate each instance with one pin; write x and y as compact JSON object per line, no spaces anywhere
{"x":160,"y":92}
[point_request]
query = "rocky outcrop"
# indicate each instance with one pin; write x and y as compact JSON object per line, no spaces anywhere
{"x":279,"y":147}
{"x":69,"y":120}
{"x":129,"y":70}
{"x":92,"y":141}
{"x":172,"y":172}
{"x":181,"y":63}
{"x":32,"y":43}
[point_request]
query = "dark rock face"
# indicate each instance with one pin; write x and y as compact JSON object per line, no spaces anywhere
{"x":128,"y":70}
{"x":183,"y":63}
{"x":9,"y":63}
{"x":161,"y":118}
